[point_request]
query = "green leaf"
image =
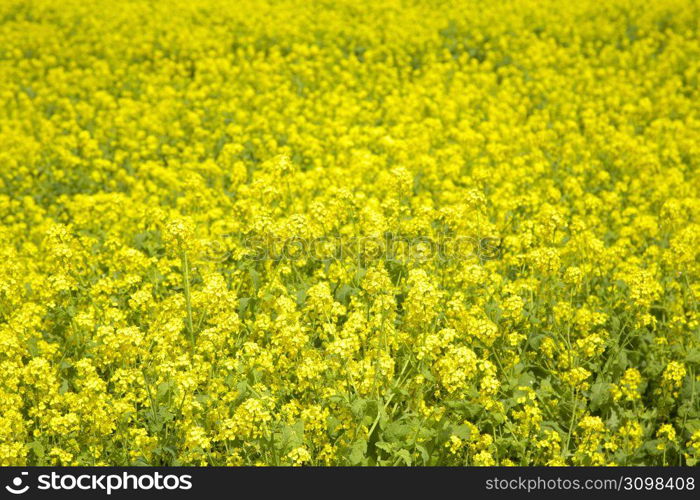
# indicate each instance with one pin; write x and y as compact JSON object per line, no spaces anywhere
{"x":383,"y":445}
{"x":397,"y":431}
{"x":461,"y":431}
{"x":243,"y":304}
{"x":64,"y":387}
{"x":343,"y":293}
{"x":405,"y":456}
{"x":383,"y":417}
{"x":692,"y":425}
{"x":424,"y":454}
{"x":693,"y":356}
{"x":358,"y":452}
{"x":358,"y":407}
{"x":254,"y":278}
{"x":600,"y":394}
{"x":291,"y":436}
{"x":37,"y":448}
{"x":651,"y":447}
{"x":163,"y":389}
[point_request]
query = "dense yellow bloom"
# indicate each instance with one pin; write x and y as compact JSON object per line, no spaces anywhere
{"x":628,"y":387}
{"x":437,"y":232}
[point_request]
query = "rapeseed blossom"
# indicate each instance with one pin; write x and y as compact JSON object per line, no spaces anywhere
{"x":294,"y":232}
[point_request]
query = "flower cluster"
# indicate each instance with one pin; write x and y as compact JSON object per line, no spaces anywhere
{"x":145,"y":144}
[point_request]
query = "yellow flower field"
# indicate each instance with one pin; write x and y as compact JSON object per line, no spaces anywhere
{"x":312,"y":232}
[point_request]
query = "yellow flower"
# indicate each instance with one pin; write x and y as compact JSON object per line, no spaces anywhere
{"x":437,"y":232}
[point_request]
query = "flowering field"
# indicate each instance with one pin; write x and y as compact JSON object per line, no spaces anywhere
{"x":349,"y":232}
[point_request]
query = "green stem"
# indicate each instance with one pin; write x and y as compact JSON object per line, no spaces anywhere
{"x":573,"y":418}
{"x":188,"y":296}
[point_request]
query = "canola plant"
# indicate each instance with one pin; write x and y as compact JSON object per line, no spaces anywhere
{"x":311,"y":232}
